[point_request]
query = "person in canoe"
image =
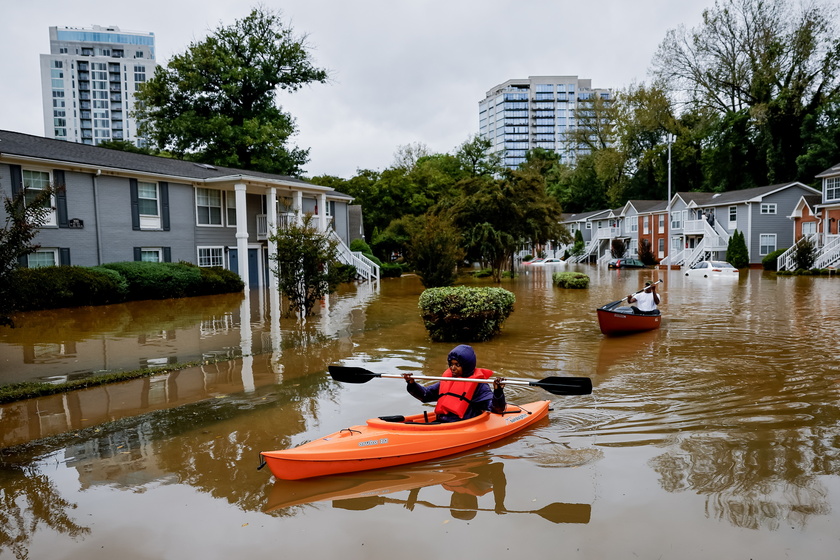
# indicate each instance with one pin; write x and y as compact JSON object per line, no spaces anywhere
{"x":645,"y":301}
{"x":461,"y":400}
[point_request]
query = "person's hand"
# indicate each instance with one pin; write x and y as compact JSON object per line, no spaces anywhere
{"x":408,"y":379}
{"x":498,"y":383}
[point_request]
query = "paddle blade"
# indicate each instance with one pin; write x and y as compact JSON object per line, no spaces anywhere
{"x":565,"y":385}
{"x":565,"y":513}
{"x":347,"y":374}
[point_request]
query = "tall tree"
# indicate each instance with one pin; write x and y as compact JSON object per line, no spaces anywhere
{"x":765,"y":59}
{"x":217,"y":102}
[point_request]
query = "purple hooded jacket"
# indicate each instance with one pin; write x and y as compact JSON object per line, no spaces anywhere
{"x":483,"y":399}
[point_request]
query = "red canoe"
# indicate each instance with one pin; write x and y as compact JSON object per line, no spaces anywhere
{"x":381,"y":443}
{"x":622,"y":320}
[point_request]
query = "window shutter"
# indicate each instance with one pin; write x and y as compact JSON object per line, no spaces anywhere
{"x":64,"y":256}
{"x":17,"y":179}
{"x":137,"y":255}
{"x":23,"y":261}
{"x":60,"y":198}
{"x":164,"y":205}
{"x":135,"y":205}
{"x":167,"y":254}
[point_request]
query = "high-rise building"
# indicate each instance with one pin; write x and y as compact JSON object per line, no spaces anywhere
{"x":88,"y":82}
{"x":540,"y":111}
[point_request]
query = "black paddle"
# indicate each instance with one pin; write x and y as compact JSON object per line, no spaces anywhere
{"x":556,"y":512}
{"x":609,"y":306}
{"x":554,"y":385}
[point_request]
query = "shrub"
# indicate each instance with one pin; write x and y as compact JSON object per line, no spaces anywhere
{"x":805,"y":254}
{"x":646,"y":252}
{"x":575,"y":280}
{"x":436,"y":251}
{"x":464,"y":314}
{"x":736,"y":251}
{"x":218,"y":280}
{"x":361,"y":246}
{"x":391,"y":270}
{"x":155,"y":280}
{"x":770,"y":261}
{"x":341,"y":273}
{"x":54,"y":287}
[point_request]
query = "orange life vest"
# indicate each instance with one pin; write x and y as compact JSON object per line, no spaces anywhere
{"x":454,"y":396}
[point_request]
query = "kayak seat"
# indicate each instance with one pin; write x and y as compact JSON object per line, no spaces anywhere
{"x":395,"y":418}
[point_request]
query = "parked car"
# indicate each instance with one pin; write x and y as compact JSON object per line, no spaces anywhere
{"x":532,"y":262}
{"x":625,"y":263}
{"x":713,"y":269}
{"x":551,"y":261}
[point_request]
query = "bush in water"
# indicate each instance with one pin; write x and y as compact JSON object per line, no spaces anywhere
{"x":576,"y":280}
{"x":464,"y":314}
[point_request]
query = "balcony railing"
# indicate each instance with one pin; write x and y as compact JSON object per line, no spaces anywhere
{"x":284,"y":220}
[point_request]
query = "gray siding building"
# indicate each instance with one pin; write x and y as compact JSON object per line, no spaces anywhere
{"x":120,"y":206}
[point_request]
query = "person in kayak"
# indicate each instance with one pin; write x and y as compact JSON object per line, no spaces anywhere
{"x":460,"y":400}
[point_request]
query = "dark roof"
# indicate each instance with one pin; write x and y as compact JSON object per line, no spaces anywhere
{"x":729,"y":197}
{"x":16,"y":143}
{"x":833,"y":170}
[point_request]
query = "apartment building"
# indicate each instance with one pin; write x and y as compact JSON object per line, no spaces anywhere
{"x":88,"y":81}
{"x":538,"y":112}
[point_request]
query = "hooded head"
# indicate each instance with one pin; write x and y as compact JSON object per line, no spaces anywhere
{"x":465,"y":356}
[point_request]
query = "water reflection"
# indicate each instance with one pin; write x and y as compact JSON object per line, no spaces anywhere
{"x":30,"y":503}
{"x":735,"y":399}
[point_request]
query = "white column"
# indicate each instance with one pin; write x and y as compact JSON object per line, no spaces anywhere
{"x":246,"y":342}
{"x":271,"y":218}
{"x":298,"y":206}
{"x":322,"y":212}
{"x":242,"y":233}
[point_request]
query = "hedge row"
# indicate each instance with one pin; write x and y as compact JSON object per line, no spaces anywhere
{"x":54,"y":287}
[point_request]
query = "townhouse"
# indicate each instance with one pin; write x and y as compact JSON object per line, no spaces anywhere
{"x":816,"y":218}
{"x":121,"y":206}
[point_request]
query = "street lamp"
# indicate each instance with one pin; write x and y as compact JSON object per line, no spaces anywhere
{"x":669,"y":138}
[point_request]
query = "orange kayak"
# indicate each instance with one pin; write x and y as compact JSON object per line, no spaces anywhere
{"x":382,"y":443}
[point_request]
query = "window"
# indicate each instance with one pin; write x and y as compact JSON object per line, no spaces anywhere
{"x":210,"y":256}
{"x":832,"y":188}
{"x":42,"y":257}
{"x":767,"y":243}
{"x":33,"y":183}
{"x":208,"y":207}
{"x":150,"y":255}
{"x":733,"y":214}
{"x":230,"y":199}
{"x":661,"y":225}
{"x":676,"y":221}
{"x":147,"y":194}
{"x":768,"y":207}
{"x":809,"y":227}
{"x":645,"y":224}
{"x":661,"y":247}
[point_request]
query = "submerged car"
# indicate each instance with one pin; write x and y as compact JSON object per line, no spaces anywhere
{"x":532,"y":262}
{"x":551,"y":261}
{"x":625,"y":263}
{"x":713,"y":269}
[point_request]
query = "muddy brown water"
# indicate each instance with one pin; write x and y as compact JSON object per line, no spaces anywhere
{"x":717,"y":436}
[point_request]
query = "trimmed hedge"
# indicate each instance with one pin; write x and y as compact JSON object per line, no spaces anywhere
{"x":770,"y":261}
{"x":53,"y":287}
{"x":464,"y":314}
{"x":574,"y":280}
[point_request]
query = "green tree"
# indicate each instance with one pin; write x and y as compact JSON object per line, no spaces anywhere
{"x":736,"y":251}
{"x":497,"y":216}
{"x":302,"y":264}
{"x":436,"y":251}
{"x":768,"y":60}
{"x":26,"y":211}
{"x":217,"y":102}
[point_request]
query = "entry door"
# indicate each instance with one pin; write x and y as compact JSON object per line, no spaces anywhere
{"x":253,"y":265}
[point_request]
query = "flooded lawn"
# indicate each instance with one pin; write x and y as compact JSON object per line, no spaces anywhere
{"x":716,"y":436}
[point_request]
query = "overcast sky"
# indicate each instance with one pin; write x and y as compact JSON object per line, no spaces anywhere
{"x":402,"y":71}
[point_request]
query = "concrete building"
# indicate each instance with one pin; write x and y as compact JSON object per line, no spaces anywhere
{"x":521,"y":114}
{"x":88,"y":82}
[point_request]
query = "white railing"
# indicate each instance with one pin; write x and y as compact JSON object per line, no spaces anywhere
{"x":830,"y":254}
{"x":786,"y":259}
{"x":608,"y":233}
{"x":284,"y":220}
{"x":365,"y":268}
{"x":696,"y":254}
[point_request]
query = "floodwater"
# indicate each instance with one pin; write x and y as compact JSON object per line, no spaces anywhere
{"x":716,"y":436}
